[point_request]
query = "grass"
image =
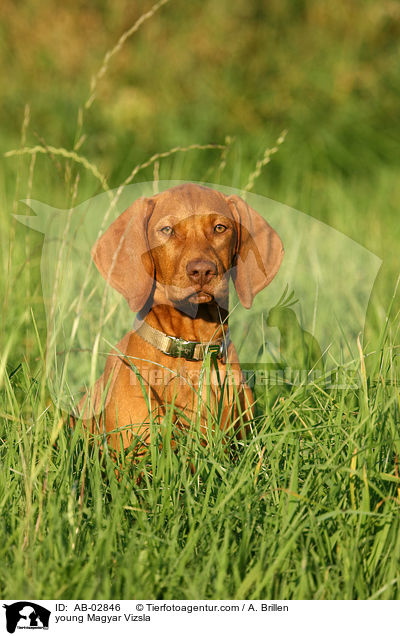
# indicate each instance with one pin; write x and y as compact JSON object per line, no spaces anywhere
{"x":308,"y":506}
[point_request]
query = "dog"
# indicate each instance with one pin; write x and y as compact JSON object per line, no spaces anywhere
{"x":171,"y":256}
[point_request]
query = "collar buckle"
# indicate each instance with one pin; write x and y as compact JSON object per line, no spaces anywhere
{"x":180,"y":348}
{"x":216,"y":350}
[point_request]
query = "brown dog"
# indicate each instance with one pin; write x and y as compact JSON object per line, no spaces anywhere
{"x":171,"y":256}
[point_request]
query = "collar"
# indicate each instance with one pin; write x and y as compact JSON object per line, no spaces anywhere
{"x":180,"y":348}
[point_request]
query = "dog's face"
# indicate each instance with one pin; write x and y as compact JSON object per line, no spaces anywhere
{"x":185,"y":243}
{"x":192,"y":237}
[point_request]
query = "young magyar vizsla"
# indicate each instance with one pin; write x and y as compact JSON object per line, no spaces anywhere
{"x":171,"y":256}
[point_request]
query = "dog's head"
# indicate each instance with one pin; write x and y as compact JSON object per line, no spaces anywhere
{"x":184,"y":244}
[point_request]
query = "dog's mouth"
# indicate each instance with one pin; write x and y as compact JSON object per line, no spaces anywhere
{"x":196,"y":295}
{"x":200,"y":297}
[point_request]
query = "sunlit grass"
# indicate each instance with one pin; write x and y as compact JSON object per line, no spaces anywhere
{"x":307,"y":506}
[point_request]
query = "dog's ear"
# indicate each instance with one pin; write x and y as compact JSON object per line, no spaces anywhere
{"x":259,"y":251}
{"x":122,"y":254}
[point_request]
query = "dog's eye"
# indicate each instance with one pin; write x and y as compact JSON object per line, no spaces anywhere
{"x":167,"y":230}
{"x":219,"y":228}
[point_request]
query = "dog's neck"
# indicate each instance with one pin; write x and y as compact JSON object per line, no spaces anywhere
{"x":208,"y":323}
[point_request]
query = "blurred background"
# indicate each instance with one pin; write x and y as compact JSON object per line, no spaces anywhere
{"x":231,"y":72}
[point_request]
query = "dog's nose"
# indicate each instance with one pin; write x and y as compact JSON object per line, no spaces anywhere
{"x":201,"y":272}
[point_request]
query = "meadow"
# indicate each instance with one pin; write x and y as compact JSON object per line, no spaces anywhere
{"x":307,"y":507}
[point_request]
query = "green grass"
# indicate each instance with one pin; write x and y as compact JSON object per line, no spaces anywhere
{"x":307,"y":507}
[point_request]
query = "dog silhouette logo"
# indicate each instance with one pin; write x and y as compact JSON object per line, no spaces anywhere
{"x":315,"y":330}
{"x":299,"y":349}
{"x":26,"y":615}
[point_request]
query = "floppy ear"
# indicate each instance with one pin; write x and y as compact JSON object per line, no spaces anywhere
{"x":259,"y":251}
{"x":122,"y":254}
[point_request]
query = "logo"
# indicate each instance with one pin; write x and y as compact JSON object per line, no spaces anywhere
{"x":304,"y":328}
{"x":26,"y":615}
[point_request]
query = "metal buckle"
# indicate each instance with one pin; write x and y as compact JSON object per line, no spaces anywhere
{"x":215,"y":349}
{"x":181,"y":348}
